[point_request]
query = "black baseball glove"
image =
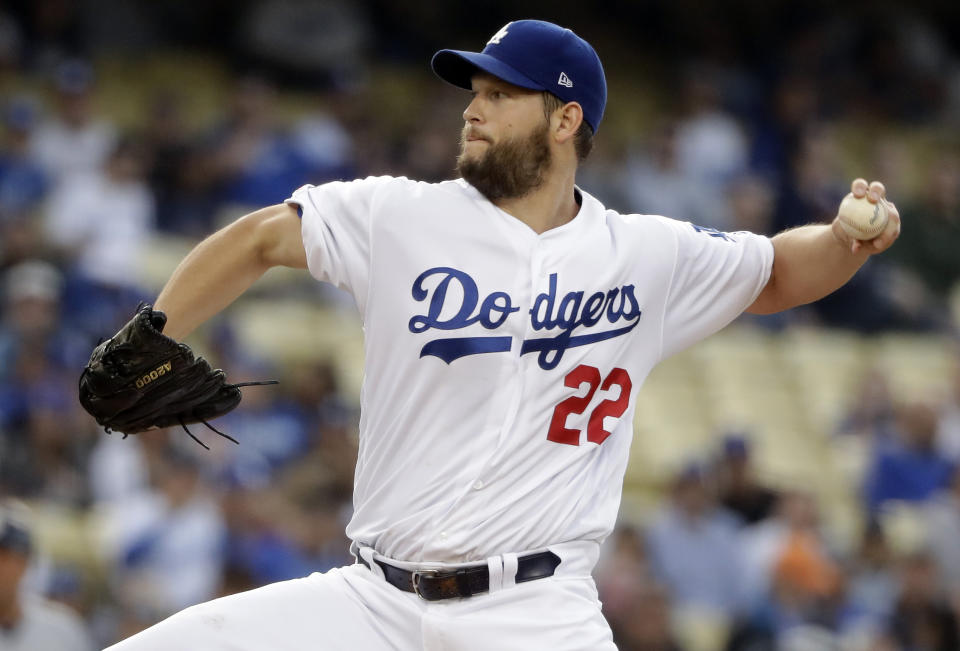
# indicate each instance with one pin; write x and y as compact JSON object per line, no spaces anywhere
{"x":140,"y":379}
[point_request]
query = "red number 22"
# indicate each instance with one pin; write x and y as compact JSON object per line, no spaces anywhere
{"x":560,"y":433}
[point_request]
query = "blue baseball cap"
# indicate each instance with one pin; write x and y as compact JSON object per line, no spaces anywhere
{"x":537,"y":55}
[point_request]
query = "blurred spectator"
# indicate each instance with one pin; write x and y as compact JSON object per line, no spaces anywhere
{"x":276,"y":534}
{"x":429,"y":153}
{"x":637,"y":608}
{"x":328,"y":464}
{"x":254,"y":162}
{"x":103,"y":220}
{"x":623,"y":566}
{"x":117,"y":468}
{"x":270,"y":429}
{"x":812,"y":192}
{"x":317,"y":396}
{"x":751,"y":205}
{"x":325,"y":146}
{"x":874,"y":301}
{"x":165,"y":545}
{"x":948,"y":421}
{"x":710,"y":144}
{"x":922,"y":619}
{"x":872,"y":582}
{"x":693,"y":548}
{"x":28,"y":622}
{"x":800,"y":580}
{"x":805,"y":569}
{"x":249,"y":509}
{"x":43,"y":440}
{"x":739,"y":490}
{"x":930,"y":239}
{"x":796,"y":519}
{"x":910,"y":467}
{"x":654,"y":184}
{"x":32,"y":325}
{"x":23,"y":182}
{"x":51,"y":462}
{"x":871,"y":415}
{"x":101,"y":223}
{"x":318,"y":526}
{"x":646,"y":626}
{"x":942,"y":520}
{"x":177,"y":186}
{"x":77,"y":141}
{"x":778,"y":128}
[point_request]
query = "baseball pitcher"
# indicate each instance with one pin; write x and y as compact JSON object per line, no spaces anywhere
{"x":510,"y":320}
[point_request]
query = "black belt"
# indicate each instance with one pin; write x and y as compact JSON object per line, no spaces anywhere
{"x":435,"y":585}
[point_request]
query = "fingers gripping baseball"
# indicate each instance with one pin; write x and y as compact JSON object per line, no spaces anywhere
{"x":866,"y":220}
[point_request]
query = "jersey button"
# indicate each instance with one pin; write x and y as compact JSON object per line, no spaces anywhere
{"x":477,"y":485}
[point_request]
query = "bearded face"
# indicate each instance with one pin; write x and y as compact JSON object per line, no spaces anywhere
{"x":507,"y":169}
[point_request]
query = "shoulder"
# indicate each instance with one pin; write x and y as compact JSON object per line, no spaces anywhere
{"x":633,"y":221}
{"x":662,"y":233}
{"x":400,"y":195}
{"x":638,"y":221}
{"x":454,"y":190}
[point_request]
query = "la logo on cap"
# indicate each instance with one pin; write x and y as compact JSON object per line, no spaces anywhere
{"x":495,"y":39}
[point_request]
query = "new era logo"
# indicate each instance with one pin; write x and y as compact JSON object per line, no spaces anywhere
{"x":565,"y":80}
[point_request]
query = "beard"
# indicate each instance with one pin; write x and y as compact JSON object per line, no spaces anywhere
{"x":509,"y":169}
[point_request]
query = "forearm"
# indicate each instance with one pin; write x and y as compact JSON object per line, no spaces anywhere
{"x":809,"y":263}
{"x":226,"y":264}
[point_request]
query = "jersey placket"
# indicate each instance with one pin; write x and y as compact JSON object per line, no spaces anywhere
{"x":448,"y":525}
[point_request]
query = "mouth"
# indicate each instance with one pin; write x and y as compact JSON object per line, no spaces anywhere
{"x":473,"y":136}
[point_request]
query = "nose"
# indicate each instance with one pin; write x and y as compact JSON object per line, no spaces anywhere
{"x":472,"y":112}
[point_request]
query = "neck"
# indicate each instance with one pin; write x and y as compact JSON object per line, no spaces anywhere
{"x":551,"y":205}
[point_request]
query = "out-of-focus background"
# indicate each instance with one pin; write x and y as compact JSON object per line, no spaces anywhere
{"x":792,"y":481}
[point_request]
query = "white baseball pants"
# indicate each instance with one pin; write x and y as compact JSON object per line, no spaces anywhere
{"x":353,"y":609}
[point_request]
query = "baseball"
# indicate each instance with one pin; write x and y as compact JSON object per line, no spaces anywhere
{"x":861,"y":219}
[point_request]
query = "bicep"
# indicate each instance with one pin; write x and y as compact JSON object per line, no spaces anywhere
{"x":279,"y":238}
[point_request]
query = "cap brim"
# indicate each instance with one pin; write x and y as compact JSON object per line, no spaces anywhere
{"x":457,"y":67}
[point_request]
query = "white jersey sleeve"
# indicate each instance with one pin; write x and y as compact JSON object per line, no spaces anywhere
{"x":336,"y":223}
{"x":715,"y":278}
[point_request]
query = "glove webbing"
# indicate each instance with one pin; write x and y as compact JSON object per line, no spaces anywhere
{"x":208,"y":425}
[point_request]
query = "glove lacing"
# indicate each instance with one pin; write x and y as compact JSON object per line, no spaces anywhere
{"x":211,"y":427}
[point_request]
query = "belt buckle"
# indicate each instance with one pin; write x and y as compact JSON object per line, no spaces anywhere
{"x":417,"y":575}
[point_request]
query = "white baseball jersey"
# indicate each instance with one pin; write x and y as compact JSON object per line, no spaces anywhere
{"x":502,"y":365}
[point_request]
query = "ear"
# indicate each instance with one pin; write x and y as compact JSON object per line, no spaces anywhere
{"x":566,"y":121}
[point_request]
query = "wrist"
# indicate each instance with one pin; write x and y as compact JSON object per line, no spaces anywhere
{"x":839,"y":235}
{"x":847,"y":243}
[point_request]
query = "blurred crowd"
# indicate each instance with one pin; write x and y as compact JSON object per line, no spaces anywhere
{"x":729,"y":562}
{"x":757,"y":124}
